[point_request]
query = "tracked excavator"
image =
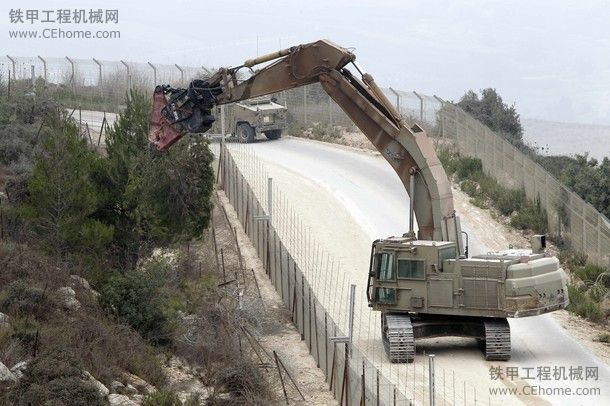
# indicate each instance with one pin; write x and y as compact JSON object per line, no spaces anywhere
{"x":424,"y":284}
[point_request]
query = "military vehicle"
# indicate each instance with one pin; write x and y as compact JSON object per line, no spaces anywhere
{"x":423,"y":284}
{"x":263,"y":115}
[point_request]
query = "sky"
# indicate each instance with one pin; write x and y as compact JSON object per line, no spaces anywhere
{"x":550,"y":58}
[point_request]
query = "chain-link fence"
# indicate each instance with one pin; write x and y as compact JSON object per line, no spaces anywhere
{"x":95,"y":88}
{"x":570,"y":218}
{"x":316,"y":290}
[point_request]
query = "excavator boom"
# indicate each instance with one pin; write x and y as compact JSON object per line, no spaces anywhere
{"x":424,"y":287}
{"x":409,"y":151}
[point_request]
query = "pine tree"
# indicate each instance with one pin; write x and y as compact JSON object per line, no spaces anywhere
{"x":62,"y":198}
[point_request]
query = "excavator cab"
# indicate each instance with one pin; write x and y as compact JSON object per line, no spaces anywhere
{"x":401,"y":269}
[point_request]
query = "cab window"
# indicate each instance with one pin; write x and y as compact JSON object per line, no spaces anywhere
{"x":385,"y":270}
{"x":411,"y":269}
{"x":385,"y":295}
{"x":446,"y":253}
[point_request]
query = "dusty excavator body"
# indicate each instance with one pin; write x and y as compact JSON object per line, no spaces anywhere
{"x":424,"y":291}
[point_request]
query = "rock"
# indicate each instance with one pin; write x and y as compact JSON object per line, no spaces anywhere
{"x":185,"y":380}
{"x":83,"y":283}
{"x":101,"y":388}
{"x":4,"y":321}
{"x":117,"y":387}
{"x":120,"y":400}
{"x":140,"y":384}
{"x":139,"y":399}
{"x":67,"y":295}
{"x":7,"y":378}
{"x":19,"y":368}
{"x":130,"y":389}
{"x":605,"y":306}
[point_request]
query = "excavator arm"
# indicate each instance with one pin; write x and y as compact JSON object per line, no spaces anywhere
{"x":408,"y":150}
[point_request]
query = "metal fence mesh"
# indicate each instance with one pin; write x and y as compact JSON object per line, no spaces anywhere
{"x":570,"y":218}
{"x":95,"y":86}
{"x":313,"y":287}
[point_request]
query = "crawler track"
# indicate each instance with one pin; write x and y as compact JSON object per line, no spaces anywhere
{"x":497,"y":340}
{"x":398,"y":338}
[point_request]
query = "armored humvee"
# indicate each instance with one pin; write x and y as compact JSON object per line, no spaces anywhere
{"x":262,"y":115}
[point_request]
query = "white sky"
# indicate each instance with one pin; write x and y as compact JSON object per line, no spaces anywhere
{"x":550,"y":57}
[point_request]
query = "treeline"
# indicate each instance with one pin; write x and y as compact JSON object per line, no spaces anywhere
{"x":110,"y":210}
{"x":587,"y":177}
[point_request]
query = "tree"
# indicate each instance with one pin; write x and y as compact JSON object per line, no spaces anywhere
{"x":175,"y":191}
{"x":491,"y":110}
{"x":126,"y":142}
{"x":61,"y":197}
{"x":152,"y":198}
{"x":587,"y":177}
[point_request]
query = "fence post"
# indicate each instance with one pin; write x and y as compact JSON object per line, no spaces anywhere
{"x":72,"y":72}
{"x":352,"y":300}
{"x":154,"y":69}
{"x":397,"y":99}
{"x":13,"y":65}
{"x":44,"y":68}
{"x":363,"y":387}
{"x":99,"y":74}
{"x":305,"y":106}
{"x":128,"y":74}
{"x":181,"y":73}
{"x":326,"y":342}
{"x":431,"y":377}
{"x":377,"y":384}
{"x":330,"y":110}
{"x":421,"y":106}
{"x":442,"y":115}
{"x":222,"y":121}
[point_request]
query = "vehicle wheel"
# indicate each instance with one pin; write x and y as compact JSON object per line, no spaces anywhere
{"x":245,"y":133}
{"x":273,"y":134}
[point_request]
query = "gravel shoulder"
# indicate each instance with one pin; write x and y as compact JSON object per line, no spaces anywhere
{"x":277,"y":332}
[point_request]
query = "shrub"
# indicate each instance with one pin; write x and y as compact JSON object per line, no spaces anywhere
{"x":590,"y":272}
{"x":449,"y":159}
{"x":135,"y":299}
{"x":296,"y":129}
{"x":469,"y":168}
{"x":572,"y":259}
{"x":162,"y":398}
{"x":243,"y":380}
{"x":510,"y":201}
{"x":603,"y":338}
{"x":55,"y":378}
{"x":583,"y":305}
{"x":532,"y":217}
{"x":325,"y":132}
{"x":470,"y":187}
{"x":22,"y":299}
{"x":12,"y":148}
{"x":598,"y":292}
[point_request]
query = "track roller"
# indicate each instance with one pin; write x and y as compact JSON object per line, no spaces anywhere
{"x":398,"y":339}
